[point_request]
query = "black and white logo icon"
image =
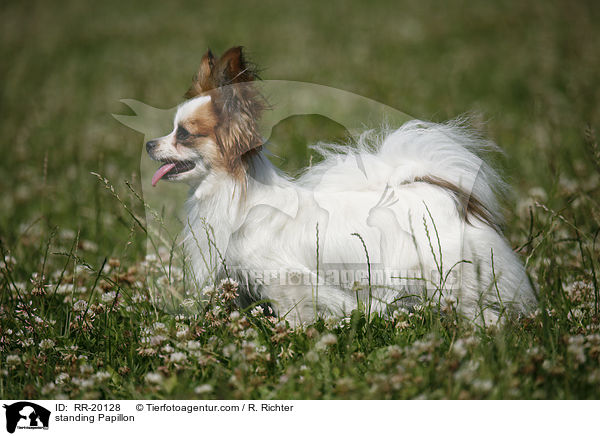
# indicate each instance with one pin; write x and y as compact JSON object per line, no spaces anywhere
{"x":26,"y":415}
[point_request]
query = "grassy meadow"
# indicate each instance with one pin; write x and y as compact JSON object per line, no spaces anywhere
{"x":79,"y":312}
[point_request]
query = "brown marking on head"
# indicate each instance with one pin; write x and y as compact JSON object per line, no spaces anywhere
{"x":467,"y":204}
{"x":236,"y":105}
{"x":203,"y":121}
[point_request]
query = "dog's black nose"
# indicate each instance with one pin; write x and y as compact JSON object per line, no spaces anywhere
{"x":150,"y":145}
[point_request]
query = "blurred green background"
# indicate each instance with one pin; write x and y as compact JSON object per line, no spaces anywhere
{"x":528,"y":69}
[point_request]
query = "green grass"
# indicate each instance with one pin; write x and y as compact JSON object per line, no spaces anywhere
{"x":529,"y":69}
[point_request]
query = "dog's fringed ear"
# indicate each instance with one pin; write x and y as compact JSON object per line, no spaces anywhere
{"x":232,"y":68}
{"x":204,"y":79}
{"x":238,"y":105}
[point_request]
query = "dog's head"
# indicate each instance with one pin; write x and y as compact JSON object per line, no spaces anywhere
{"x":216,"y":129}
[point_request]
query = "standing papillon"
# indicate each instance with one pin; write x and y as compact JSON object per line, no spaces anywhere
{"x":396,"y":217}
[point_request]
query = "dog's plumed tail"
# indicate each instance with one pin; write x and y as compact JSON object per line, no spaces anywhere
{"x":450,"y":156}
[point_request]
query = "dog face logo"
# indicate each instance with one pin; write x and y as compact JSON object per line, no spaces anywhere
{"x":26,"y":415}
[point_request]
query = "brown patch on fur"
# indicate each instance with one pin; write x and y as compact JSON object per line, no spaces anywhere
{"x":467,"y":204}
{"x":236,"y":104}
{"x":203,"y":121}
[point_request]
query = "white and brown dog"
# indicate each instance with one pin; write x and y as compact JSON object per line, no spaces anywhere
{"x":419,"y":200}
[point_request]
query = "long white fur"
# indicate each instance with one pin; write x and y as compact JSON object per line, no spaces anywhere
{"x":370,"y":189}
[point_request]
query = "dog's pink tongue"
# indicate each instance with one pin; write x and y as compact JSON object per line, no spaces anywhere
{"x":161,"y":172}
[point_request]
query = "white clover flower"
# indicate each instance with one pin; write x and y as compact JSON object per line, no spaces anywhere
{"x":63,"y":377}
{"x":183,"y":333}
{"x":108,"y":297}
{"x":228,"y":350}
{"x":203,"y":389}
{"x":576,"y":348}
{"x":86,"y":368}
{"x":101,"y":376}
{"x":80,"y":305}
{"x":168,"y":349}
{"x":538,"y":193}
{"x":153,"y":377}
{"x":470,"y":341}
{"x":450,"y":300}
{"x":577,"y":340}
{"x":482,"y":386}
{"x":188,"y":302}
{"x":46,"y":344}
{"x":89,"y":245}
{"x":178,"y":356}
{"x":258,"y":310}
{"x":466,"y":373}
{"x":401,"y":325}
{"x":344,"y":322}
{"x":594,"y":377}
{"x":48,"y":388}
{"x":216,"y":310}
{"x":311,"y":356}
{"x":159,"y":327}
{"x":209,"y":291}
{"x":228,"y":283}
{"x":568,"y":184}
{"x":156,"y":340}
{"x":576,"y":314}
{"x":234,"y":316}
{"x":250,"y":333}
{"x":65,"y":288}
{"x":13,"y":359}
{"x":8,"y":261}
{"x":593,"y":339}
{"x":459,"y":348}
{"x":193,"y":345}
{"x":325,"y":341}
{"x":83,"y":383}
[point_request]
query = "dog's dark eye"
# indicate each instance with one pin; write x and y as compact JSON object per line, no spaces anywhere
{"x":182,"y":134}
